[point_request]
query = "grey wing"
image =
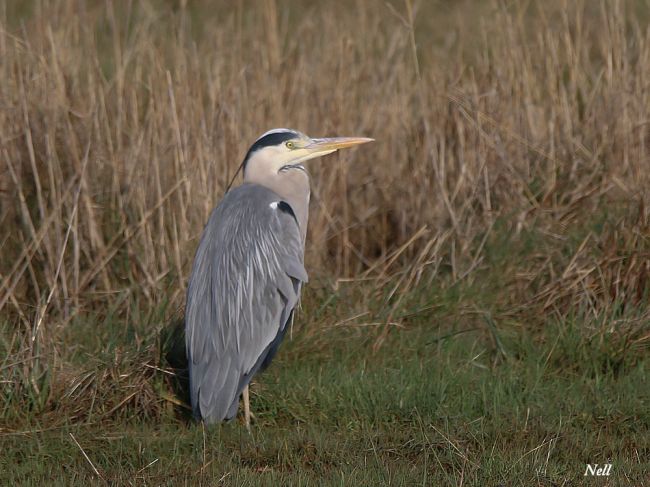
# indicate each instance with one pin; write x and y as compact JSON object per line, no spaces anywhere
{"x":245,"y":282}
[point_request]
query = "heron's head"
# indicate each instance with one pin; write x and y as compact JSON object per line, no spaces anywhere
{"x":282,"y":151}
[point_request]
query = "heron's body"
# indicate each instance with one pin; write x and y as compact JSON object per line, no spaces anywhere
{"x":248,"y":271}
{"x":245,"y":282}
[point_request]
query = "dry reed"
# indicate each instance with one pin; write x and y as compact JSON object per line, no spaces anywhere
{"x":120,"y":127}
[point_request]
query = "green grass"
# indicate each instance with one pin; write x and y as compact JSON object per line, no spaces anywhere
{"x":423,"y":410}
{"x":472,"y":388}
{"x":498,"y":329}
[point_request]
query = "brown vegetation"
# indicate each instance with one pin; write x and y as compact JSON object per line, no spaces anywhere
{"x":120,"y":129}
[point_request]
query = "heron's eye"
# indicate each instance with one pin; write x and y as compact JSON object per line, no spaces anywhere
{"x":290,"y":145}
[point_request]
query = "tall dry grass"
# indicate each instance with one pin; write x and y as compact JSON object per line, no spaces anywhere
{"x":121,"y":125}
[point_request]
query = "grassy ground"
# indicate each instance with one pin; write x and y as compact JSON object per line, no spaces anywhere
{"x":464,"y":392}
{"x":478,"y":306}
{"x":430,"y":409}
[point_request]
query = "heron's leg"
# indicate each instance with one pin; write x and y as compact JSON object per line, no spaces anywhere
{"x":247,"y":408}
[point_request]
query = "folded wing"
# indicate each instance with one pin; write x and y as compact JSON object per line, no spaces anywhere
{"x":245,"y":283}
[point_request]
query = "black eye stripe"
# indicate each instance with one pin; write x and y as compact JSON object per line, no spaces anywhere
{"x":273,"y":139}
{"x":268,"y":140}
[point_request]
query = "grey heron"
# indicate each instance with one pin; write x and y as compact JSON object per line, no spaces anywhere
{"x":248,"y":271}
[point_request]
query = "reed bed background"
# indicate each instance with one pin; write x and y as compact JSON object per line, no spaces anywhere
{"x":122,"y":126}
{"x":512,"y":141}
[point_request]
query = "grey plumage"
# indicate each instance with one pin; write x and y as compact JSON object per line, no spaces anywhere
{"x":245,"y":282}
{"x":248,"y":271}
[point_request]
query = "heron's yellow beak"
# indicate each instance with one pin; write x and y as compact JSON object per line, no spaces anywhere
{"x":329,"y":145}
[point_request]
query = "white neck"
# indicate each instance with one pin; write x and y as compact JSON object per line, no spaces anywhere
{"x":292,"y":185}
